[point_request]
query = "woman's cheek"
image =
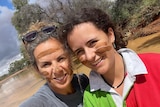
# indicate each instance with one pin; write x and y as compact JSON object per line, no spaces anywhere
{"x":102,"y":47}
{"x":44,"y":73}
{"x":82,"y":59}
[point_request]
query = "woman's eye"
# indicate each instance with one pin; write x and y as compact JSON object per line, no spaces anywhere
{"x":92,"y":43}
{"x":79,"y":52}
{"x":61,"y":59}
{"x":44,"y":65}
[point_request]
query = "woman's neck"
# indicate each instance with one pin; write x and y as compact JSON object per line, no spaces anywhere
{"x":116,"y":75}
{"x":64,"y":91}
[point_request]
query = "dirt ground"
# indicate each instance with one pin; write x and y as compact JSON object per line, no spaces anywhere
{"x":149,"y":38}
{"x":149,"y":43}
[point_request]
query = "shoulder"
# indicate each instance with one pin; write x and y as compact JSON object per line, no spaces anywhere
{"x":33,"y":102}
{"x":90,"y":98}
{"x":96,"y":93}
{"x":81,"y":79}
{"x":150,"y":59}
{"x":149,"y":56}
{"x":42,"y":98}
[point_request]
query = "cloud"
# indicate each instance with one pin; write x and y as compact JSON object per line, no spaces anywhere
{"x":32,"y":1}
{"x":9,"y":44}
{"x":4,"y":68}
{"x":42,"y":3}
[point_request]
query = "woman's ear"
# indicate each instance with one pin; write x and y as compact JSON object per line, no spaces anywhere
{"x":111,"y":35}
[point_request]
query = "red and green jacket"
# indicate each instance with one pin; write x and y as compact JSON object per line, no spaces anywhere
{"x":145,"y":91}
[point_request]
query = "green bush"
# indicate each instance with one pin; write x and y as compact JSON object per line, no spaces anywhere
{"x":18,"y":65}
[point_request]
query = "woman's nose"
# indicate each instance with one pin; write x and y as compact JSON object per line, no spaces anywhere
{"x":89,"y":54}
{"x":57,"y":70}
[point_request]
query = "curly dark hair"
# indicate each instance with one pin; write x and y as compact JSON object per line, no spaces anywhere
{"x":99,"y":18}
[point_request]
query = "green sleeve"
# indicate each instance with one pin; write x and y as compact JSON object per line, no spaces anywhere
{"x":97,"y":99}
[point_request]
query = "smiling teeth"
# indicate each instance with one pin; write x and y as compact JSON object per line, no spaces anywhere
{"x":95,"y":63}
{"x":60,"y":78}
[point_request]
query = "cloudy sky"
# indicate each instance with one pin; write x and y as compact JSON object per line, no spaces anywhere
{"x":9,"y":43}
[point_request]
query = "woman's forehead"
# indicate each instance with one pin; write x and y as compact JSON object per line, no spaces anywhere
{"x":50,"y":45}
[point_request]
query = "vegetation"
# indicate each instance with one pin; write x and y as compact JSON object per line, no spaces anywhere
{"x":4,"y":76}
{"x":129,"y":15}
{"x":18,"y":65}
{"x":133,"y":15}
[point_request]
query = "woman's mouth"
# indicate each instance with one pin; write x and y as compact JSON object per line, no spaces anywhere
{"x":61,"y":79}
{"x":97,"y":61}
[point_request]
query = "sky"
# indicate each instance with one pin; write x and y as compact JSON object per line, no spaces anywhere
{"x":9,"y":43}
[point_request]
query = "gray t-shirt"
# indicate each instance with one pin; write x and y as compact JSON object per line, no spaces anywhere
{"x":45,"y":97}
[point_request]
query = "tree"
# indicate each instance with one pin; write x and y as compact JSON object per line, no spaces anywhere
{"x":19,"y":3}
{"x":59,"y":10}
{"x":26,"y":15}
{"x":135,"y":11}
{"x":123,"y":10}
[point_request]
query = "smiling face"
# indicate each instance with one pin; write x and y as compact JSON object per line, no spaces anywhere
{"x":93,"y":47}
{"x":53,"y":64}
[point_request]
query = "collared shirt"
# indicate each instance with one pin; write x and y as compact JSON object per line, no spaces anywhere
{"x":133,"y":66}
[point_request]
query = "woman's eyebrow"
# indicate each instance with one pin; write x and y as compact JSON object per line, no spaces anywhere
{"x":46,"y":52}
